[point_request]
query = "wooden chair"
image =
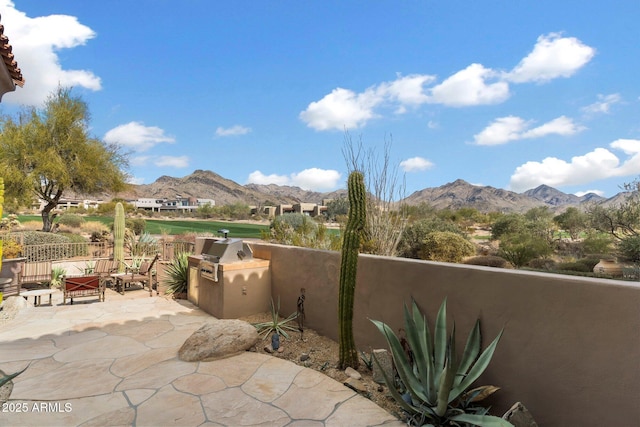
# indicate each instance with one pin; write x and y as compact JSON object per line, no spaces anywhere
{"x":106,"y":268}
{"x":145,"y":275}
{"x":38,"y":272}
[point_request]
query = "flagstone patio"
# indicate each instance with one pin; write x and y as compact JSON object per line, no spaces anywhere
{"x":114,"y":363}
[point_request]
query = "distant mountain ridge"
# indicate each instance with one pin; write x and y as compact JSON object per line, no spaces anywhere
{"x":454,"y":195}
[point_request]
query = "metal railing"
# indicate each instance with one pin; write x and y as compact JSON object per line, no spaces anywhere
{"x":88,"y":250}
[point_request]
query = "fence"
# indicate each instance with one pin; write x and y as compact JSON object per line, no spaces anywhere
{"x":84,"y":250}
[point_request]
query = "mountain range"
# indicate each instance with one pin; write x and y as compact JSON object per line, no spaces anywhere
{"x":205,"y":184}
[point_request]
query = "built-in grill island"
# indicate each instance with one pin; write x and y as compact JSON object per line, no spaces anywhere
{"x":225,"y":280}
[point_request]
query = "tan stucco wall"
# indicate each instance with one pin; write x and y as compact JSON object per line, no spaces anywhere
{"x":571,"y":347}
{"x":242,"y":289}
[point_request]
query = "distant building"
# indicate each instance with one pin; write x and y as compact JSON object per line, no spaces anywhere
{"x":181,"y":204}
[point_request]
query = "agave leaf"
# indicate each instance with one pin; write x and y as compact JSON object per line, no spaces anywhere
{"x":6,"y":378}
{"x":440,"y":338}
{"x":481,"y":420}
{"x":394,"y":393}
{"x":423,"y":329}
{"x":403,"y":367}
{"x":418,"y":344}
{"x":480,"y":393}
{"x":446,"y":381}
{"x":470,"y":354}
{"x":477,"y":369}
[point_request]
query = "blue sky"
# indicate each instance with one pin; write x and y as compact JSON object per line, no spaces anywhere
{"x":508,"y":93}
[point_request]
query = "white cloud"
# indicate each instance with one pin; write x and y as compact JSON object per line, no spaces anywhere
{"x":232,"y":131}
{"x":137,"y":136}
{"x":341,"y":108}
{"x":172,"y":161}
{"x":433,"y":124}
{"x":583,"y":193}
{"x":257,"y":177}
{"x":553,"y":56}
{"x":559,"y":126}
{"x":501,"y":131}
{"x":36,"y":44}
{"x":597,"y":164}
{"x":469,"y":87}
{"x":604,"y":103}
{"x":415,"y":164}
{"x":313,"y":179}
{"x":407,"y":90}
{"x":512,"y":128}
{"x":135,"y":180}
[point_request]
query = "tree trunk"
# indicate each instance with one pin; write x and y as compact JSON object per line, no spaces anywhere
{"x":47,"y":217}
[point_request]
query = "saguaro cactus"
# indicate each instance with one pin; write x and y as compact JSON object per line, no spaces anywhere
{"x":348,"y":268}
{"x":118,"y":235}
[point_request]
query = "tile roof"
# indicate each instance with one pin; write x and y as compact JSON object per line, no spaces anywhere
{"x":8,"y":59}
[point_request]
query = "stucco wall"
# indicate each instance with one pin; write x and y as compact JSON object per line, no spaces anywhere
{"x":571,"y":346}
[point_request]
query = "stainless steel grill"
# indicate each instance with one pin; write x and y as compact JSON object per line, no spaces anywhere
{"x":226,"y":250}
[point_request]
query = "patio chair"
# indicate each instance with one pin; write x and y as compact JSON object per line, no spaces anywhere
{"x":145,"y":276}
{"x":106,"y":268}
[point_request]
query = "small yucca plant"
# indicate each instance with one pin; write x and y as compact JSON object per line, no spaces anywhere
{"x":436,"y":382}
{"x":177,"y":274}
{"x":276,"y":324}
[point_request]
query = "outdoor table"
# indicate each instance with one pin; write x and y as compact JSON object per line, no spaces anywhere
{"x":37,"y":295}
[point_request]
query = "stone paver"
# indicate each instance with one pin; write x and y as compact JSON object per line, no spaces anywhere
{"x":115,"y":363}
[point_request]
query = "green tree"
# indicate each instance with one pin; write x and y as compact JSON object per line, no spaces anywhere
{"x":573,"y":221}
{"x":539,"y":221}
{"x":48,"y":151}
{"x":507,"y":224}
{"x":337,"y":207}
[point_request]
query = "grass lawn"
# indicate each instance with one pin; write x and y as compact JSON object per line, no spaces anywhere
{"x":173,"y":227}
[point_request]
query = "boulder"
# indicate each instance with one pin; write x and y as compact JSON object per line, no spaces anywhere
{"x":519,"y":416}
{"x":218,"y":339}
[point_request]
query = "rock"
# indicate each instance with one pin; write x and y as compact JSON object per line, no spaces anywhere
{"x":386,"y":363}
{"x":218,"y":339}
{"x":356,"y":385}
{"x":380,"y":389}
{"x":268,"y":348}
{"x":519,"y":416}
{"x":303,"y":357}
{"x":280,"y":349}
{"x":352,"y":373}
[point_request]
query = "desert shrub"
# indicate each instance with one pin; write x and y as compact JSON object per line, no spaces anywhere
{"x":94,"y":226}
{"x":446,"y":246}
{"x":629,"y":248}
{"x":542,"y":264}
{"x":300,"y":230}
{"x":597,"y":243}
{"x":488,"y":261}
{"x":177,"y":274}
{"x":71,"y":220}
{"x":574,"y":266}
{"x":31,"y":226}
{"x":414,"y":234}
{"x":10,"y":222}
{"x":521,"y":248}
{"x":10,"y":248}
{"x":137,"y":225}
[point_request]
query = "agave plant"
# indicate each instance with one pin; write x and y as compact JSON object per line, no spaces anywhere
{"x":436,"y":382}
{"x":276,"y":324}
{"x":177,"y":274}
{"x":5,"y":378}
